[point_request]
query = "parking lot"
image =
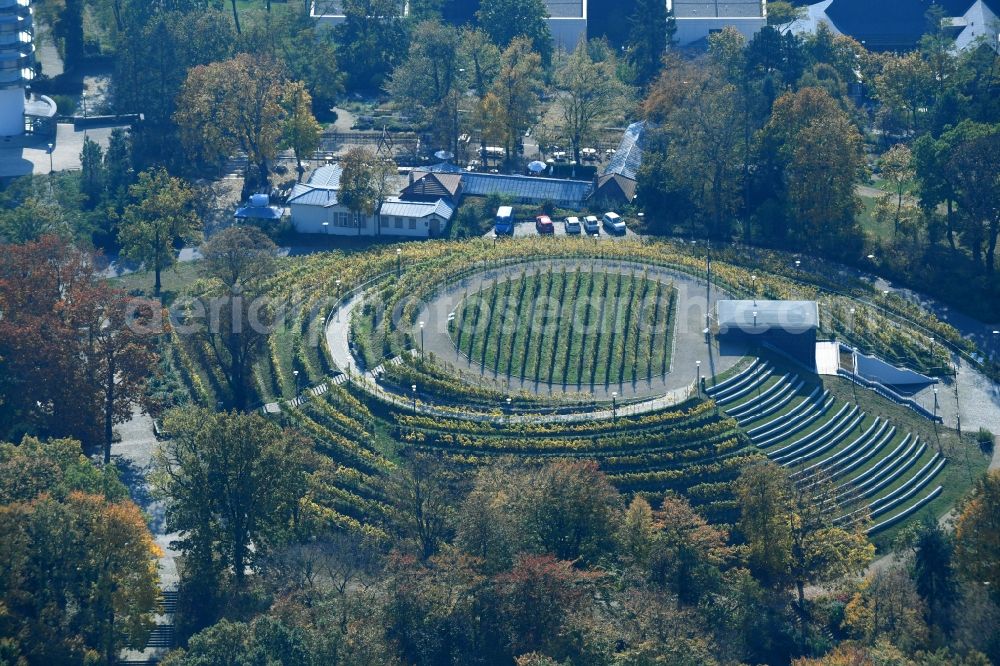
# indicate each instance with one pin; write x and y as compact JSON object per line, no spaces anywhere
{"x":527,"y":228}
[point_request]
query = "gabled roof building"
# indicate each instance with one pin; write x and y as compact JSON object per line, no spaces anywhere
{"x":316,"y":209}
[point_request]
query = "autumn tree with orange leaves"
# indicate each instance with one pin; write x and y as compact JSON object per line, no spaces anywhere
{"x":79,"y":580}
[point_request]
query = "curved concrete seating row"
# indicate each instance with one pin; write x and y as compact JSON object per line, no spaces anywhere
{"x":817,"y":433}
{"x":756,"y":407}
{"x":745,"y":389}
{"x":858,"y":458}
{"x":891,"y":467}
{"x":813,"y":401}
{"x":875,"y":430}
{"x":823,"y":444}
{"x":904,"y":492}
{"x":798,"y":424}
{"x":914,"y":484}
{"x":781,"y":381}
{"x":907,"y":512}
{"x":726,"y":383}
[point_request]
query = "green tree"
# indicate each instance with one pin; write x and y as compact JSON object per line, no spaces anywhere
{"x":238,"y":105}
{"x":119,"y":172}
{"x":423,"y":493}
{"x":238,"y":261}
{"x":781,"y":14}
{"x":887,"y":605}
{"x":571,"y":511}
{"x":507,"y":20}
{"x":230,"y":480}
{"x":158,"y":214}
{"x":121,"y":336}
{"x":92,"y":175}
{"x":898,"y":172}
{"x":792,"y":538}
{"x":905,"y":85}
{"x":154,"y":49}
{"x":512,"y":102}
{"x":301,"y":131}
{"x":821,"y":177}
{"x":974,"y":172}
{"x":371,"y":41}
{"x":687,"y":553}
{"x":590,"y":92}
{"x":934,"y":575}
{"x":637,"y":533}
{"x":483,"y":57}
{"x":265,"y":640}
{"x":432,"y":79}
{"x":364,"y":184}
{"x":651,"y":32}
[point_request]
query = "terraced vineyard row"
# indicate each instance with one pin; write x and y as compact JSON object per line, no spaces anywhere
{"x":860,"y":465}
{"x":569,"y":327}
{"x":694,"y":450}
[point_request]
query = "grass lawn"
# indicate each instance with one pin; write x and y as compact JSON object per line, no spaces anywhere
{"x":866,"y":218}
{"x":174,"y":280}
{"x":569,"y":328}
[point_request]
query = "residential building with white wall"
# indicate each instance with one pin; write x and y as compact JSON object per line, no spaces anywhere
{"x":697,"y":19}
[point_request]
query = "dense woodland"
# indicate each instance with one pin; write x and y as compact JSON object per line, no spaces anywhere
{"x":758,"y":143}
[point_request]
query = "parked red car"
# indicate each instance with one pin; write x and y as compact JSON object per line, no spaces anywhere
{"x":543,"y":225}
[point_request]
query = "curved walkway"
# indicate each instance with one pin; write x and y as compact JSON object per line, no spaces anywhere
{"x":337,"y":338}
{"x":688,"y":340}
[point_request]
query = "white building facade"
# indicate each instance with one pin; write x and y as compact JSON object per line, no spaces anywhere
{"x":315,"y":209}
{"x":697,"y":19}
{"x":17,"y":61}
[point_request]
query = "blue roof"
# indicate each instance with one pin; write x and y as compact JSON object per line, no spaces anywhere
{"x":327,"y":175}
{"x":417,"y":208}
{"x":628,"y":157}
{"x":260,"y":213}
{"x":312,"y":196}
{"x":529,"y":188}
{"x":321,"y":190}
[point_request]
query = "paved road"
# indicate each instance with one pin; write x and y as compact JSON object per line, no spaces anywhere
{"x":337,"y":336}
{"x":31,"y":155}
{"x":132,"y":455}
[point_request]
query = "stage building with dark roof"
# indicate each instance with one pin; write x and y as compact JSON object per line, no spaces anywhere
{"x":788,"y":327}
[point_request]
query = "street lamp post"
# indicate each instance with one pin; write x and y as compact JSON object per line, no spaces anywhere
{"x":510,"y":410}
{"x":413,"y":388}
{"x":338,"y":300}
{"x":754,"y":319}
{"x":52,"y":147}
{"x":697,"y":365}
{"x":295,"y":373}
{"x":614,"y":405}
{"x":399,"y":262}
{"x":753,"y":287}
{"x":421,"y":341}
